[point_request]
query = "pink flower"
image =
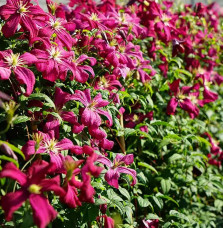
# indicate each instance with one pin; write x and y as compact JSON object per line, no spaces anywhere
{"x":81,"y":72}
{"x":10,"y":62}
{"x":117,"y":167}
{"x":90,"y":115}
{"x":185,"y":98}
{"x":53,"y":61}
{"x":108,"y":221}
{"x":154,"y":223}
{"x":71,"y":184}
{"x":46,"y":143}
{"x":60,"y":99}
{"x":33,"y":185}
{"x":24,"y":13}
{"x":59,"y":27}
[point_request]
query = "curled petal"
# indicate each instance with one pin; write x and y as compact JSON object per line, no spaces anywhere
{"x":129,"y":171}
{"x":106,"y":114}
{"x":104,"y":160}
{"x":112,"y":177}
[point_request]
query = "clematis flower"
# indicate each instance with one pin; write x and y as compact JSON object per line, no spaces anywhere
{"x":90,"y":114}
{"x":60,"y":28}
{"x":53,"y":61}
{"x":87,"y":191}
{"x":10,"y":62}
{"x":33,"y":185}
{"x":46,"y":143}
{"x":154,"y":223}
{"x":24,"y":13}
{"x":60,"y":99}
{"x":108,"y":221}
{"x":115,"y":168}
{"x":185,"y":98}
{"x":81,"y":72}
{"x":71,"y":184}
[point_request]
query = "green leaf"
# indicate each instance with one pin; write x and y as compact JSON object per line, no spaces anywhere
{"x":124,"y":192}
{"x":179,"y":215}
{"x":158,"y":202}
{"x":165,"y":185}
{"x":21,"y":119}
{"x":175,"y":157}
{"x":144,"y":164}
{"x":41,"y":96}
{"x":143,"y":202}
{"x":162,"y":123}
{"x":15,"y":149}
{"x":3,"y":157}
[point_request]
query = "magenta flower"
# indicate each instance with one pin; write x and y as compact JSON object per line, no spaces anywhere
{"x":53,"y":61}
{"x":71,"y":184}
{"x":59,"y":27}
{"x":33,"y":185}
{"x":81,"y":72}
{"x":60,"y":99}
{"x":108,"y":82}
{"x":186,"y":99}
{"x":46,"y":143}
{"x":117,"y":167}
{"x":10,"y":62}
{"x":90,"y":115}
{"x":108,"y":221}
{"x":154,"y":223}
{"x":24,"y":13}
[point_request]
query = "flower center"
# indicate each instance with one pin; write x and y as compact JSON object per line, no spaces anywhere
{"x":51,"y":146}
{"x":135,"y":118}
{"x":92,"y":105}
{"x":55,"y":54}
{"x":181,"y":97}
{"x":34,"y":188}
{"x":56,"y":24}
{"x":193,"y":99}
{"x":94,"y":17}
{"x":13,"y":60}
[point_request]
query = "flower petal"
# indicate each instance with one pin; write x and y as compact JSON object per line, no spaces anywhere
{"x":25,"y":76}
{"x":129,"y":171}
{"x":4,"y":73}
{"x":13,"y":201}
{"x":11,"y":171}
{"x":112,"y":177}
{"x":43,"y":212}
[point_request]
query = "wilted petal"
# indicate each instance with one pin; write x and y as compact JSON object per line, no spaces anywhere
{"x":43,"y":212}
